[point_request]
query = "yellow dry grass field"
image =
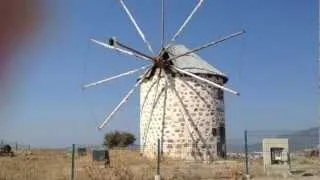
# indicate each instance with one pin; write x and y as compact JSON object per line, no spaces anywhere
{"x":41,"y":164}
{"x":125,"y":165}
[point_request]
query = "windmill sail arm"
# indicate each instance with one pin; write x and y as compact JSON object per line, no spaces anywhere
{"x":212,"y":43}
{"x":187,"y":20}
{"x":120,"y":50}
{"x":123,"y":101}
{"x":205,"y":80}
{"x":136,"y":26}
{"x":115,"y":77}
{"x":117,"y":43}
{"x":162,"y":24}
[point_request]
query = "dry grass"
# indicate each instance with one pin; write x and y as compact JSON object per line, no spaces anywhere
{"x":41,"y":165}
{"x":125,"y":165}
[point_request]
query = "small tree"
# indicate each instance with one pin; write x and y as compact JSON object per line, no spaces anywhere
{"x":118,"y":139}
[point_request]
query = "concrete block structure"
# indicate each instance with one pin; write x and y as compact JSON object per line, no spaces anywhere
{"x":275,"y":154}
{"x":187,"y":115}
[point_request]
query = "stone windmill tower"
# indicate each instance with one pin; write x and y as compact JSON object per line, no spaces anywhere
{"x":181,"y":97}
{"x":186,"y":114}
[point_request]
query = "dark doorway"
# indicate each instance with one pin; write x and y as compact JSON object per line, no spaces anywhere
{"x":221,"y":146}
{"x":222,"y":133}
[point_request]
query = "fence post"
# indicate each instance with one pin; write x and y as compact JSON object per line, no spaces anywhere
{"x":72,"y":161}
{"x":157,"y":176}
{"x":246,"y":152}
{"x":16,"y":146}
{"x":289,"y":160}
{"x":2,"y":142}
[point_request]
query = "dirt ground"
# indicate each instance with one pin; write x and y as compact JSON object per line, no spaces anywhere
{"x":129,"y":165}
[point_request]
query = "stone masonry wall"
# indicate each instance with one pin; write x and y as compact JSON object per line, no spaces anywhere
{"x":187,"y":116}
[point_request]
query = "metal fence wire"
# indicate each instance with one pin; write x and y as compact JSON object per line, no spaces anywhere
{"x":257,"y":153}
{"x":137,"y":162}
{"x":15,"y":146}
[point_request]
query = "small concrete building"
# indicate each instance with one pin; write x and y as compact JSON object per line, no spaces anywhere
{"x":275,"y":155}
{"x":186,"y":114}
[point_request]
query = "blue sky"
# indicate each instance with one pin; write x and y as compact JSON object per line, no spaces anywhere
{"x":273,"y":66}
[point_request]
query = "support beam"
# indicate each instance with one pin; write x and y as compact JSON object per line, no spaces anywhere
{"x":156,"y":98}
{"x":208,"y":45}
{"x":116,"y":43}
{"x":205,"y":80}
{"x":120,"y":50}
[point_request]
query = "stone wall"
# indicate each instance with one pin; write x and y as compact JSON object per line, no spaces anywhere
{"x":187,"y":116}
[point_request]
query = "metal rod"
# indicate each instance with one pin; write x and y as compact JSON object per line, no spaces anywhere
{"x":187,"y":20}
{"x":205,"y":80}
{"x":158,"y":159}
{"x":319,"y":76}
{"x":162,"y":24}
{"x":146,"y":129}
{"x":246,"y":151}
{"x":289,"y":159}
{"x":147,"y":96}
{"x":120,"y":50}
{"x":164,"y":114}
{"x":190,"y":126}
{"x":124,"y":100}
{"x":72,"y":161}
{"x":136,"y":26}
{"x":156,"y":98}
{"x":115,"y":77}
{"x":209,"y":44}
{"x":133,"y":50}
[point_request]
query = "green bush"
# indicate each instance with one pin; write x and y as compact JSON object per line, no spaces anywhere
{"x":118,"y":139}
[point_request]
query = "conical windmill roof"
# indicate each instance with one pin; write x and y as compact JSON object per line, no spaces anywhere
{"x":192,"y":62}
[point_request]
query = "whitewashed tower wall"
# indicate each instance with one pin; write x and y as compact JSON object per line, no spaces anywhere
{"x":192,"y":131}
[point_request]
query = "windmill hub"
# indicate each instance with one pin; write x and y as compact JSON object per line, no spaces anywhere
{"x":161,"y":61}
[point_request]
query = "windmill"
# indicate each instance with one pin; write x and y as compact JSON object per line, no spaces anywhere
{"x":181,"y":95}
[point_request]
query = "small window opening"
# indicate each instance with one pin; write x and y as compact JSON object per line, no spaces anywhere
{"x":276,"y":155}
{"x":214,"y":131}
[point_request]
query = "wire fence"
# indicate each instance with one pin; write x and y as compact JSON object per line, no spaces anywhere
{"x":139,"y":162}
{"x":257,"y":153}
{"x":15,"y":146}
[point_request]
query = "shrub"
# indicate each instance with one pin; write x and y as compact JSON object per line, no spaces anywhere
{"x":118,"y":139}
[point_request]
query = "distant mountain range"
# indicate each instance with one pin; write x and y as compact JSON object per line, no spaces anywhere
{"x":298,"y":140}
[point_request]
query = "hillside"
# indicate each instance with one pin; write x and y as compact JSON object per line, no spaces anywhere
{"x":298,"y":140}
